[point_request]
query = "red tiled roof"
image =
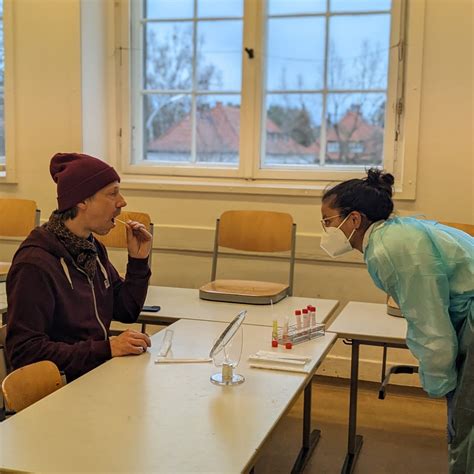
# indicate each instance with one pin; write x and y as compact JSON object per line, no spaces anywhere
{"x":218,"y":130}
{"x":351,"y":127}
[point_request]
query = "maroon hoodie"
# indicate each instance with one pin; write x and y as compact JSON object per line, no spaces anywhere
{"x":56,"y":313}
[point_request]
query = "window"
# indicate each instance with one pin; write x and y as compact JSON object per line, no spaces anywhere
{"x":279,"y":90}
{"x":2,"y":96}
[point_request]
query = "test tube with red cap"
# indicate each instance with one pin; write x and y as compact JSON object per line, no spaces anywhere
{"x":298,"y":318}
{"x":305,"y":318}
{"x":312,"y":315}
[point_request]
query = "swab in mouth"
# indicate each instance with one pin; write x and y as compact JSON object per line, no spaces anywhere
{"x":118,"y":220}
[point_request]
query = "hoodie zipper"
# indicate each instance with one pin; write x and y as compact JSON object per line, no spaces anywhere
{"x":95,"y":308}
{"x":91,"y":284}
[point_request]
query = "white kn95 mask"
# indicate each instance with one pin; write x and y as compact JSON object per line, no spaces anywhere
{"x":334,"y":242}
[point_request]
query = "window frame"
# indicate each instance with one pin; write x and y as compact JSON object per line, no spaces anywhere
{"x":8,"y":169}
{"x":402,"y":119}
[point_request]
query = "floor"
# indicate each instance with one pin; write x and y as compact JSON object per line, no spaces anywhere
{"x":405,"y":433}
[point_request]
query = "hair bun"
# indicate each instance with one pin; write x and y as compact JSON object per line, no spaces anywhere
{"x":378,"y":179}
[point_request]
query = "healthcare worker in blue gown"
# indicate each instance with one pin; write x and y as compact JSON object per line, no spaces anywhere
{"x":428,"y":268}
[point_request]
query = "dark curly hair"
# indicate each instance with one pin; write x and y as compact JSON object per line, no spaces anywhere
{"x":371,"y":196}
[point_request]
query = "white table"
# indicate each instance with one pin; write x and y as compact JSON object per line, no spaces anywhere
{"x":3,"y":299}
{"x":4,"y":268}
{"x":132,"y":415}
{"x":184,"y":303}
{"x":365,"y":324}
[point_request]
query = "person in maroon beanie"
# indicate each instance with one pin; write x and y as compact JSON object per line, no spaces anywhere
{"x":62,"y":290}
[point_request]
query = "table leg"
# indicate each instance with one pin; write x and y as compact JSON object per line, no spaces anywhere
{"x":354,"y":441}
{"x":310,"y":438}
{"x":384,"y":363}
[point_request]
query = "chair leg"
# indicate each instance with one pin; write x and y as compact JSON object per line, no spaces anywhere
{"x":396,"y":369}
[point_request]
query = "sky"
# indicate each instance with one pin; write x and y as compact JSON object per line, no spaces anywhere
{"x":295,"y":46}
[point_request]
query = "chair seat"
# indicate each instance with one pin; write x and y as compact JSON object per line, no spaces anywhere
{"x":393,"y":309}
{"x":243,"y":291}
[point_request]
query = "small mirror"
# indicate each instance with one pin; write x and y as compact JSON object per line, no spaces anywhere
{"x":226,"y":352}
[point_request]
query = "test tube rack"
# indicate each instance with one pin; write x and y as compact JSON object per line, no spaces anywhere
{"x":297,"y":335}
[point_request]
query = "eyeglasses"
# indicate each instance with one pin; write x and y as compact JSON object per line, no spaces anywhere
{"x":326,"y":222}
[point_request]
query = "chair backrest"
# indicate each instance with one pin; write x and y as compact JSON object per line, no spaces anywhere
{"x":3,"y":367}
{"x":18,"y":217}
{"x":26,"y":385}
{"x":255,"y":231}
{"x":468,"y":228}
{"x":117,"y":237}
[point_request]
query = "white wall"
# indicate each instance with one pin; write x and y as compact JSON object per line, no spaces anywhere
{"x":49,"y":119}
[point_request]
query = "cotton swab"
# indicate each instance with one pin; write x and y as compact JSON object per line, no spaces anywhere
{"x":141,"y":229}
{"x":279,"y":367}
{"x":197,"y":360}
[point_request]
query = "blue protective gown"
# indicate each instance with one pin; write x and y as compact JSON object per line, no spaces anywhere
{"x":428,"y":268}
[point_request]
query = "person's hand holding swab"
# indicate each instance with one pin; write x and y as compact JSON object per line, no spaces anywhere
{"x":139,"y":240}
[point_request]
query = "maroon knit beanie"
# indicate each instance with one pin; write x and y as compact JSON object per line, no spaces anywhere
{"x":79,"y":177}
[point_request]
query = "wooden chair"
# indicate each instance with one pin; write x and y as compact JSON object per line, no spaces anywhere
{"x":252,"y":231}
{"x":18,"y":217}
{"x":468,"y":228}
{"x":26,"y":385}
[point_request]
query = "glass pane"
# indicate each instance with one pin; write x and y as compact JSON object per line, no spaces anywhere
{"x":169,"y":56}
{"x":218,"y":128}
{"x":167,"y":128}
{"x":293,"y":125}
{"x":281,"y":7}
{"x":358,"y":52}
{"x":354,"y":129}
{"x":219,"y":60}
{"x":295,"y":53}
{"x":220,"y":8}
{"x":159,"y":9}
{"x":360,"y":5}
{"x":2,"y":102}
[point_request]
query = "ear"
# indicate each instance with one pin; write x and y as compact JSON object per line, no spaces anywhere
{"x":356,"y":218}
{"x":82,"y":205}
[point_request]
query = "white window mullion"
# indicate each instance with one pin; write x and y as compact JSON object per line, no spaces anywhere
{"x":194,"y":88}
{"x":253,"y":80}
{"x":323,"y":136}
{"x":137,"y":78}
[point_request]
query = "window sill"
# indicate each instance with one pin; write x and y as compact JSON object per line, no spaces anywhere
{"x":223,"y":185}
{"x":234,"y":186}
{"x":5,"y":180}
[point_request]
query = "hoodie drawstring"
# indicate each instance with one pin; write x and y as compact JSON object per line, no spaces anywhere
{"x":66,"y":271}
{"x":104,"y":273}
